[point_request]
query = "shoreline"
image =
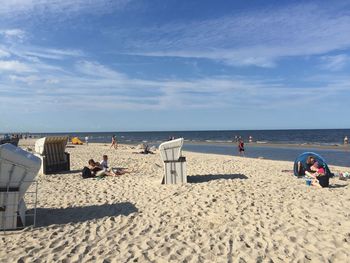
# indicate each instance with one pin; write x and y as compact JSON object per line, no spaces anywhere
{"x":340,"y":147}
{"x":254,"y":151}
{"x":279,"y":145}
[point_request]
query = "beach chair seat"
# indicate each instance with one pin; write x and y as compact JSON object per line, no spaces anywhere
{"x":18,"y":170}
{"x":51,"y":150}
{"x":174,"y":162}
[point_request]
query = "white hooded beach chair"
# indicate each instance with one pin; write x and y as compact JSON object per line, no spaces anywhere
{"x":18,"y":170}
{"x":51,"y":150}
{"x":174,"y":162}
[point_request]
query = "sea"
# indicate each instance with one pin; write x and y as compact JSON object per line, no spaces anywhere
{"x":271,"y":144}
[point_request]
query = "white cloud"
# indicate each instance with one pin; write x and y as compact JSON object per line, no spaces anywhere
{"x":49,"y":53}
{"x":17,"y":9}
{"x":4,"y":53}
{"x":119,"y":91}
{"x":15,"y":66}
{"x":335,"y":63}
{"x":258,"y":38}
{"x":97,"y":70}
{"x":13,"y":33}
{"x":30,"y":79}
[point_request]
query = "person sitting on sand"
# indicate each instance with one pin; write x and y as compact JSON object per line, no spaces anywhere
{"x":104,"y":162}
{"x":309,"y":163}
{"x":114,"y":171}
{"x":320,"y":178}
{"x":97,"y":170}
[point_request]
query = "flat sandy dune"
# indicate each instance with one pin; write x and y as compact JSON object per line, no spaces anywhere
{"x":232,"y":210}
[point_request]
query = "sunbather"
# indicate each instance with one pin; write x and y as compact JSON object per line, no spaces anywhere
{"x":146,"y":150}
{"x":97,"y":170}
{"x":115,"y":171}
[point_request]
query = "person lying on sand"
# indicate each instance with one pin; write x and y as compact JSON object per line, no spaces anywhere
{"x":145,"y":151}
{"x":115,"y":171}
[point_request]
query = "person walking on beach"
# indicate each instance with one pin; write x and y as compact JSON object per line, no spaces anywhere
{"x":346,"y":140}
{"x":241,"y":147}
{"x":114,"y":142}
{"x":87,"y":140}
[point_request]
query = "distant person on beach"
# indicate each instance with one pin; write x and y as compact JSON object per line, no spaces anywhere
{"x":346,"y":140}
{"x":241,"y":147}
{"x":250,"y":138}
{"x":114,"y":142}
{"x":87,"y":140}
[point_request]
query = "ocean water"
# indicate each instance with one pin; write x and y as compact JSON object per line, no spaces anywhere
{"x":339,"y":157}
{"x":322,"y":137}
{"x":221,"y":142}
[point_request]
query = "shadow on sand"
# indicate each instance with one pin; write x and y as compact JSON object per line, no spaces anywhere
{"x":337,"y":185}
{"x":49,"y":216}
{"x":70,"y":171}
{"x":211,"y":177}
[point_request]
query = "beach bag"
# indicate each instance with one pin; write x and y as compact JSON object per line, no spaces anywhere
{"x":86,"y":173}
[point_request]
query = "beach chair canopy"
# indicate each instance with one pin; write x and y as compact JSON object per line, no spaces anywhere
{"x":171,"y":150}
{"x":302,"y":159}
{"x":18,"y":168}
{"x":52,"y":152}
{"x":43,"y":145}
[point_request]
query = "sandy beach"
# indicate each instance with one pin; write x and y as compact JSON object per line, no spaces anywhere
{"x":233,"y":209}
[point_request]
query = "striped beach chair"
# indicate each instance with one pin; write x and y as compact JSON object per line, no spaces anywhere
{"x":18,"y":170}
{"x":51,"y":150}
{"x":174,"y":162}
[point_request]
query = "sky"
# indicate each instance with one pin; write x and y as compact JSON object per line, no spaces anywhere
{"x":137,"y":65}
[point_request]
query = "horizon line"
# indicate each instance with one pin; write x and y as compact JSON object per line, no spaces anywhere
{"x":200,"y":130}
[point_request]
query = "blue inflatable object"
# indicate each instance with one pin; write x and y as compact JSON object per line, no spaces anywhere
{"x":304,"y":167}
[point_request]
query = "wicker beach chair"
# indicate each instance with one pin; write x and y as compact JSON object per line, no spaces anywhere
{"x":174,"y":162}
{"x":18,"y":170}
{"x":51,"y":150}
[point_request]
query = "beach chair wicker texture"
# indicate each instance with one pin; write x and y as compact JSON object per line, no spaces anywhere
{"x":174,"y":162}
{"x":52,"y":152}
{"x":18,"y":170}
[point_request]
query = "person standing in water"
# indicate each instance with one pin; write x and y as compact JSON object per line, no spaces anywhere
{"x":114,"y":142}
{"x":346,"y":140}
{"x":241,"y":147}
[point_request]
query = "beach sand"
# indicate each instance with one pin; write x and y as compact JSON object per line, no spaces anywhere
{"x":232,"y":210}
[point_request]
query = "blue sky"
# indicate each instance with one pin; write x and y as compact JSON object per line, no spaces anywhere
{"x":125,"y":65}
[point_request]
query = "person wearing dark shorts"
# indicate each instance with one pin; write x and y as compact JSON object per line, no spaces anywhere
{"x":241,"y":147}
